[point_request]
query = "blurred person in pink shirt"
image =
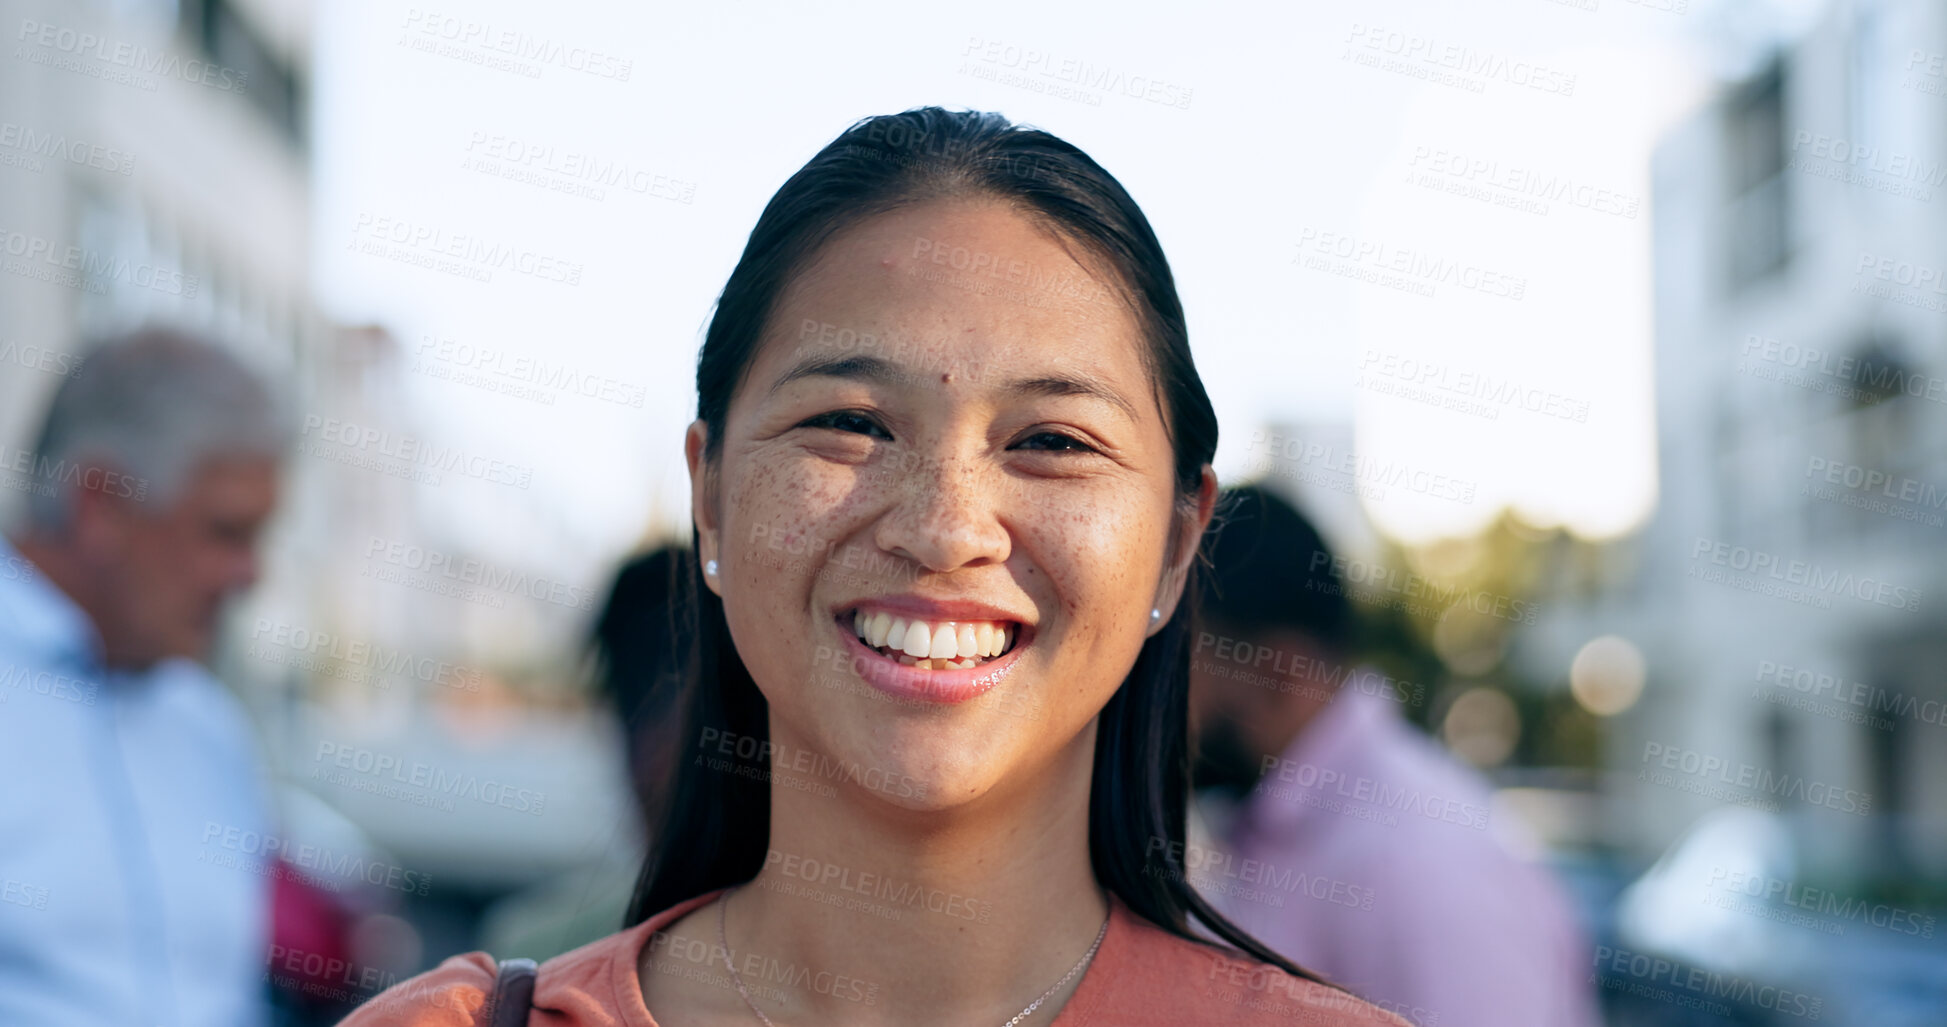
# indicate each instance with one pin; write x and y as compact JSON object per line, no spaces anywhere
{"x":1338,"y":833}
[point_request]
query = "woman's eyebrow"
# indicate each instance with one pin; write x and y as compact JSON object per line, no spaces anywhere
{"x":859,"y":368}
{"x":879,"y":370}
{"x":1070,"y":385}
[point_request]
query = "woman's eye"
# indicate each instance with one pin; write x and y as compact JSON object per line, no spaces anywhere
{"x":848,"y":421}
{"x":1054,"y":441}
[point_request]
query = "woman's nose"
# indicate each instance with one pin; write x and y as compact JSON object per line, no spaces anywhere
{"x":946,"y":515}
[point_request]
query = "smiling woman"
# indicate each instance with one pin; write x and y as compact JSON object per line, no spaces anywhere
{"x":950,"y":472}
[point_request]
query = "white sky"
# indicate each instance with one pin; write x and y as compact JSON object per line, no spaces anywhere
{"x":1281,"y":134}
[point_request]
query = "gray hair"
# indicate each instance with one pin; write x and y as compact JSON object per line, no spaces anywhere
{"x":154,"y":404}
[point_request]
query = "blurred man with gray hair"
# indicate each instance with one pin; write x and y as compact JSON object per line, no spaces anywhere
{"x":133,"y":814}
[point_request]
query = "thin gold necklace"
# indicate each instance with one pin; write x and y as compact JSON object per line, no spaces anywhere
{"x":723,"y":906}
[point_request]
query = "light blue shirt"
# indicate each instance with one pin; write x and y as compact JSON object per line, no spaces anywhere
{"x":119,"y":901}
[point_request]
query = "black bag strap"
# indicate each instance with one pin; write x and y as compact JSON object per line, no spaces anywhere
{"x":513,"y":994}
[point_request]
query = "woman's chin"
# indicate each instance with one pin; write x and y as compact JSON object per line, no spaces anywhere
{"x":917,"y":774}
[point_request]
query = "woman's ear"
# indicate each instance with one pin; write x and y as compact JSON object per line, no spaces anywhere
{"x":703,"y":502}
{"x":1186,"y":542}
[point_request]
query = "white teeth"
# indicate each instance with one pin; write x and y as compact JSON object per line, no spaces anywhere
{"x":932,"y":646}
{"x":945,"y":644}
{"x":917,"y":643}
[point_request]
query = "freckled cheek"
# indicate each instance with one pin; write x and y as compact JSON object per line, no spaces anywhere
{"x":789,"y":518}
{"x":1097,"y":562}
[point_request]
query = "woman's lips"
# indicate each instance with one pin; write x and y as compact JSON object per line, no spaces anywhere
{"x":945,"y":686}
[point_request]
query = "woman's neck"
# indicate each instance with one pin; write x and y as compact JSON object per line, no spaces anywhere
{"x":960,"y":918}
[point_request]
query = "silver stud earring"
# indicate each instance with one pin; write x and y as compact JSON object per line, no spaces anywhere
{"x":1155,"y":615}
{"x":710,"y":568}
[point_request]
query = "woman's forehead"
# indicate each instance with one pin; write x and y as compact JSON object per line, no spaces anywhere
{"x":956,"y":288}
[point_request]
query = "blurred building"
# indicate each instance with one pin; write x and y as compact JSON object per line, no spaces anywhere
{"x":155,"y":165}
{"x":1789,"y":598}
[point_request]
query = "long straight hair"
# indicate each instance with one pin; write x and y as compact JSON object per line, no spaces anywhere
{"x":714,"y":825}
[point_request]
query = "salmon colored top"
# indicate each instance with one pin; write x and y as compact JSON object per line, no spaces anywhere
{"x":1142,"y":975}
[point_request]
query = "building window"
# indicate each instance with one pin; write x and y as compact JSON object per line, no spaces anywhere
{"x":272,"y":83}
{"x":1880,"y":421}
{"x":1757,"y":233}
{"x":1868,"y":68}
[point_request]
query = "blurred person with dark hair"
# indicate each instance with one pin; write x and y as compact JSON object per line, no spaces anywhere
{"x":639,"y":656}
{"x":128,"y":767}
{"x":1378,"y":842}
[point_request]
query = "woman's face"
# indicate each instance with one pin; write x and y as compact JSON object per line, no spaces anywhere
{"x":948,"y":444}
